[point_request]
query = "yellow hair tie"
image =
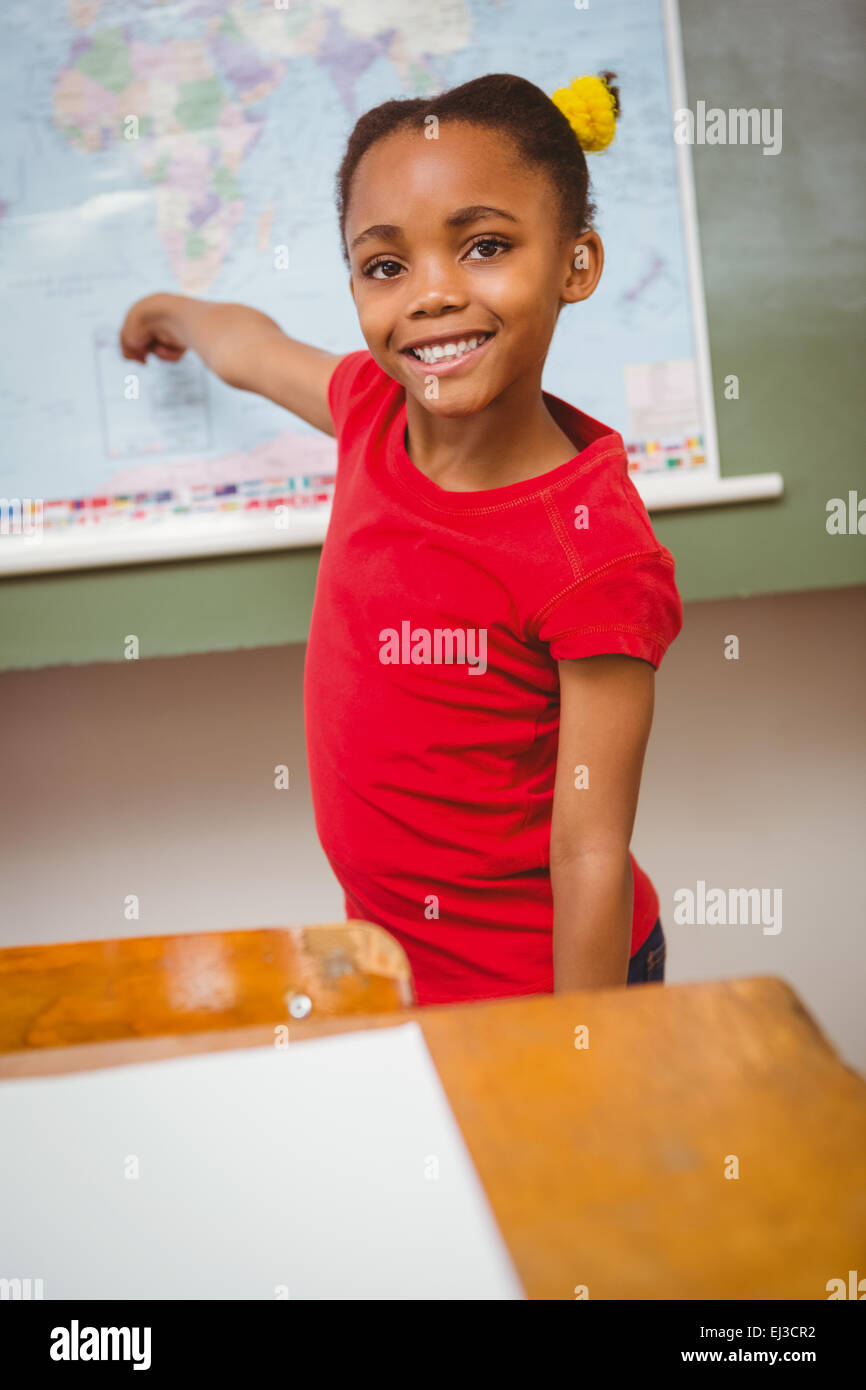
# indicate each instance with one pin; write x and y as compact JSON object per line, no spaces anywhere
{"x":590,"y":108}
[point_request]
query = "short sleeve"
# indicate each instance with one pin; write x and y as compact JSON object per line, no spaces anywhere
{"x":354,"y":376}
{"x":630,"y":606}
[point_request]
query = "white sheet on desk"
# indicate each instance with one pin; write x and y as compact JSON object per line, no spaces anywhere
{"x":307,"y":1168}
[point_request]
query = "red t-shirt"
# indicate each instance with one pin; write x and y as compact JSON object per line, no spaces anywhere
{"x":432,"y":780}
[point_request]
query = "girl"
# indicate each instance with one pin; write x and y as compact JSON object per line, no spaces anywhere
{"x":491,"y":603}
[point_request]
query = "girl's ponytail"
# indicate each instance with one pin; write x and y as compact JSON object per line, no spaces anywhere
{"x":590,"y":104}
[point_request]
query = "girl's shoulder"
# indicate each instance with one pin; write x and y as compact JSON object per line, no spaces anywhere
{"x":357,"y":387}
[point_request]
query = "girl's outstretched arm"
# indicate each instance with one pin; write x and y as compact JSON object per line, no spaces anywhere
{"x":244,"y":347}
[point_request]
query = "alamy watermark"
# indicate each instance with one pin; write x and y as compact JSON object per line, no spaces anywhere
{"x":21,"y":1290}
{"x":737,"y":126}
{"x":720,"y":907}
{"x":421,"y":646}
{"x":76,"y":1343}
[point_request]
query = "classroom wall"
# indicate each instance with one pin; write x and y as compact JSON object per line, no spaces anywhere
{"x":156,"y":778}
{"x":781,"y":241}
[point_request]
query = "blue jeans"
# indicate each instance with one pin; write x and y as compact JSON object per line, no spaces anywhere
{"x":648,"y":963}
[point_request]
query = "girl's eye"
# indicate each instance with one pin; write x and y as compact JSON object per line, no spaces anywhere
{"x":493,"y":244}
{"x":497,"y":242}
{"x":377,"y":265}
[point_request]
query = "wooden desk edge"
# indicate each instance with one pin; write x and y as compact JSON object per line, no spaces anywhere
{"x":58,"y":1061}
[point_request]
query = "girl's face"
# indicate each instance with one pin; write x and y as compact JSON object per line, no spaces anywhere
{"x":456,"y":239}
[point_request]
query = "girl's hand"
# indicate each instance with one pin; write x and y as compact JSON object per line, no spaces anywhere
{"x":243,"y":346}
{"x":145,"y":330}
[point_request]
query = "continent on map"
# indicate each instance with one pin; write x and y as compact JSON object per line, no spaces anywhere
{"x":186,"y":106}
{"x":189,"y":127}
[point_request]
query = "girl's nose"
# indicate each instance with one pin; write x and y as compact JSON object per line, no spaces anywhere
{"x":434,"y":288}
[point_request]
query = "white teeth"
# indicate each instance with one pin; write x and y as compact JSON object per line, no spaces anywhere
{"x":440,"y":350}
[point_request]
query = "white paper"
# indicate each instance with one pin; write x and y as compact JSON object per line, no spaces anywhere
{"x":331,"y":1169}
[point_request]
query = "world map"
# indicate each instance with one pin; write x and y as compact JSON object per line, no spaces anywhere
{"x":192,"y":146}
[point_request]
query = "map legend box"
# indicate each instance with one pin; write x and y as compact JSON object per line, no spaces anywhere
{"x":153,"y":408}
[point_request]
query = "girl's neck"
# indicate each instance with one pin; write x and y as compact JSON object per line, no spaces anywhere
{"x":512,"y":439}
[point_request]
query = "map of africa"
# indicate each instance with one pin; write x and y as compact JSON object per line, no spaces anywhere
{"x":191,"y":146}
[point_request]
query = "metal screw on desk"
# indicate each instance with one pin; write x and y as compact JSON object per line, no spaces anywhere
{"x":300,"y":1005}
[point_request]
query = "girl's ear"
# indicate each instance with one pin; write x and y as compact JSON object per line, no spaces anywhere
{"x":584,"y":272}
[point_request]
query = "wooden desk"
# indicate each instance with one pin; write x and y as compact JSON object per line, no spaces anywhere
{"x":606,"y":1166}
{"x":147,"y":986}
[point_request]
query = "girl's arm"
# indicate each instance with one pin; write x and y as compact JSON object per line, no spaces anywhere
{"x":242,"y":346}
{"x":606,"y":711}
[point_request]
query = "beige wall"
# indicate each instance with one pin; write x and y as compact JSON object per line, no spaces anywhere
{"x":156,"y":778}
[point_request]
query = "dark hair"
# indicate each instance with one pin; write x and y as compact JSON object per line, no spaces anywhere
{"x":499,"y":101}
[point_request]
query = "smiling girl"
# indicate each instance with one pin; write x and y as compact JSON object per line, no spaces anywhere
{"x":491,"y":602}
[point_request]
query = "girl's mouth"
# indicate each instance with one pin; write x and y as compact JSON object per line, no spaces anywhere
{"x":442,"y":358}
